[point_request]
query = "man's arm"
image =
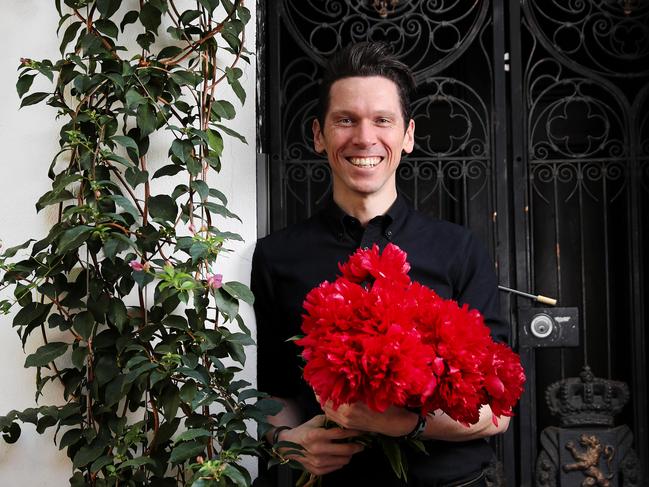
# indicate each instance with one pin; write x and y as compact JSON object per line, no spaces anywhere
{"x":400,"y":421}
{"x":322,"y":450}
{"x":279,"y":373}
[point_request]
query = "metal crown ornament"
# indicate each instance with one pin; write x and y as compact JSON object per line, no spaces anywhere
{"x":586,"y":400}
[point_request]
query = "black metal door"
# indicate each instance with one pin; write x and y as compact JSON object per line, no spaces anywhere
{"x":546,"y":162}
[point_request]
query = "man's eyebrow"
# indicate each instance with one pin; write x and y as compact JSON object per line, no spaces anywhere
{"x":338,"y":113}
{"x":386,"y":113}
{"x":348,"y":112}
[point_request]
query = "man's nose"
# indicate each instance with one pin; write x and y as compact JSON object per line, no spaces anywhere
{"x":364,"y":134}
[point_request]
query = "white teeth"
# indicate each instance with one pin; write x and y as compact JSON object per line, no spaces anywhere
{"x":364,"y":161}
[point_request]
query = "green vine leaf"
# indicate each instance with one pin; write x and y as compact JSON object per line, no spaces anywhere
{"x":24,"y":83}
{"x":87,"y":454}
{"x":126,"y":142}
{"x":239,"y":291}
{"x":192,"y":434}
{"x":232,"y":133}
{"x":146,"y":119}
{"x":107,"y":8}
{"x":185,"y":451}
{"x":163,"y":207}
{"x":74,"y":237}
{"x":150,"y":17}
{"x":33,"y":99}
{"x":84,"y":323}
{"x":107,"y":27}
{"x":129,"y":18}
{"x":46,"y":354}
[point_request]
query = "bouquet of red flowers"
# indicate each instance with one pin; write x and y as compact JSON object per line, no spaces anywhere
{"x":375,"y":336}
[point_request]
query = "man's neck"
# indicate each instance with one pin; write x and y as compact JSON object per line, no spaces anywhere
{"x":364,"y":208}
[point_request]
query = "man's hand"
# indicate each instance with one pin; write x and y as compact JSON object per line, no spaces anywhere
{"x":393,"y":422}
{"x":322,"y":450}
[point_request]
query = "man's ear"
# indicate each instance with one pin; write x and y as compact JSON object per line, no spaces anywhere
{"x":409,"y":137}
{"x":318,"y":142}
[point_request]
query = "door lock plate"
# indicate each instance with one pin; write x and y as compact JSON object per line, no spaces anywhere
{"x":548,"y":327}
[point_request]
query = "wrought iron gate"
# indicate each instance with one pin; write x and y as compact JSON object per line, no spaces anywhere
{"x":548,"y":162}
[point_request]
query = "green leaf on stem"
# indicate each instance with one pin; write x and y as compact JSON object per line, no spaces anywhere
{"x":74,"y":237}
{"x":84,"y":323}
{"x":226,"y":304}
{"x":232,"y":133}
{"x":223,"y":109}
{"x":134,"y":98}
{"x":117,"y":314}
{"x":150,"y":17}
{"x":126,"y":142}
{"x":46,"y":354}
{"x":185,"y":451}
{"x":168,"y":170}
{"x":12,"y":251}
{"x":244,"y":14}
{"x":233,"y":75}
{"x":146,"y":119}
{"x":142,"y":278}
{"x":210,"y":5}
{"x":101,"y":462}
{"x":108,"y":7}
{"x":107,"y":27}
{"x":201,"y":188}
{"x":33,"y":99}
{"x":220,"y":210}
{"x":125,"y":203}
{"x":239,"y":477}
{"x":129,"y":18}
{"x":215,"y":141}
{"x":87,"y":454}
{"x":239,"y":291}
{"x":163,"y":207}
{"x":135,"y":177}
{"x":392,"y":451}
{"x":11,"y":433}
{"x":192,"y":434}
{"x":24,"y":83}
{"x":136,"y":463}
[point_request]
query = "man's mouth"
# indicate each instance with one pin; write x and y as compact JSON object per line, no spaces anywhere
{"x":365,"y":161}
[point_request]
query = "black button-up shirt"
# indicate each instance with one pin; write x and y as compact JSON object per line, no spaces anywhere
{"x":289,"y":263}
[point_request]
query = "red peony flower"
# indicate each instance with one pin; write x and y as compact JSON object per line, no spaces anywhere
{"x":374,"y":336}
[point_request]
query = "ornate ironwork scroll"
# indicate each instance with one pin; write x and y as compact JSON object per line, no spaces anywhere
{"x":598,"y":36}
{"x":427,"y":35}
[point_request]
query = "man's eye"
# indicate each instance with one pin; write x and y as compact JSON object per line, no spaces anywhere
{"x":383,"y":121}
{"x":345,"y":121}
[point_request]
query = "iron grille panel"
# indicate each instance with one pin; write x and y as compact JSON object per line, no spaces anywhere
{"x":584,"y":69}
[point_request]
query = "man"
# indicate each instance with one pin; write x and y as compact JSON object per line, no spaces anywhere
{"x":364,"y":125}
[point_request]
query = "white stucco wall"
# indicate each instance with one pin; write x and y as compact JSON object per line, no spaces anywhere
{"x":28,"y":142}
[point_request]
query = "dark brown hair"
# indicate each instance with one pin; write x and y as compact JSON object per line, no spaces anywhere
{"x":366,"y":59}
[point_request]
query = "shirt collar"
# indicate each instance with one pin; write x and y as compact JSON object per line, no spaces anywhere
{"x":392,"y":220}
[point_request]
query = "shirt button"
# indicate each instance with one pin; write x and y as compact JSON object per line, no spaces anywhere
{"x":388,"y":234}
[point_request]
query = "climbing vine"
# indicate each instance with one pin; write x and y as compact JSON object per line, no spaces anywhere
{"x":140,"y":331}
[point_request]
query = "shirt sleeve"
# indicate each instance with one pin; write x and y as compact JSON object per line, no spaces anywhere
{"x":477,"y":286}
{"x":278,"y":371}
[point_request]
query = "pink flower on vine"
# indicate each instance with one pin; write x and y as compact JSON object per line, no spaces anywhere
{"x":138,"y":266}
{"x":214,"y":281}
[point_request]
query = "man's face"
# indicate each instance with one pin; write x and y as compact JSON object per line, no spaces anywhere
{"x":363,"y":136}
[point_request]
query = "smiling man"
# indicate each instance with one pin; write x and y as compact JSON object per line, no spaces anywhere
{"x":364,"y":126}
